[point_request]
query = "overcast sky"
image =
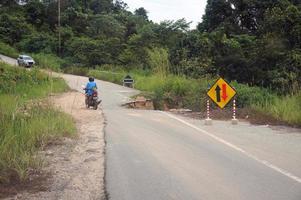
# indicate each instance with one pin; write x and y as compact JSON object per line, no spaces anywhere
{"x":159,"y":10}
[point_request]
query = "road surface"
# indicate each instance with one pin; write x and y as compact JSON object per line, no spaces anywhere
{"x":153,"y":155}
{"x":8,"y":60}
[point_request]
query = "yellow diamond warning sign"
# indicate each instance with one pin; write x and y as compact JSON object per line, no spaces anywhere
{"x":221,"y":93}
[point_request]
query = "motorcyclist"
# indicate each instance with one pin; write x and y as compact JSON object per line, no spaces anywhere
{"x":90,"y":87}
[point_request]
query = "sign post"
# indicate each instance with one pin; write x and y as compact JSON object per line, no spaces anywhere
{"x":221,"y":93}
{"x":208,"y":121}
{"x":234,"y":120}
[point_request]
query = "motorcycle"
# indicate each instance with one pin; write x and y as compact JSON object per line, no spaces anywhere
{"x":93,"y":100}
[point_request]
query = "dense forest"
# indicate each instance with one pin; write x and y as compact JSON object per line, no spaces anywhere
{"x":257,"y":42}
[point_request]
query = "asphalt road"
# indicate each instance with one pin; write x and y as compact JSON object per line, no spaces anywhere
{"x":152,"y":155}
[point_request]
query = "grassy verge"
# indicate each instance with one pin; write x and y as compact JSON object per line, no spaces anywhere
{"x":27,"y":123}
{"x":48,"y":61}
{"x":286,"y":108}
{"x":79,"y":71}
{"x":179,"y":92}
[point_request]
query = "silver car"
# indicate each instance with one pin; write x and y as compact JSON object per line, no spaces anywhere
{"x":26,"y":61}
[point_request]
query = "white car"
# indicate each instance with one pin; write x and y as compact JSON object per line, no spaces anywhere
{"x":26,"y":61}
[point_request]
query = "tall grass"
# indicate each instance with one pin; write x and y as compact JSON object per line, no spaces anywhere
{"x":114,"y":77}
{"x":174,"y":91}
{"x":49,"y":61}
{"x":27,"y":123}
{"x":287,"y":108}
{"x":159,"y":61}
{"x":79,"y":71}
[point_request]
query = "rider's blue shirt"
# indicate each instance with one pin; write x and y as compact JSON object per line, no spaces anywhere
{"x":89,"y":88}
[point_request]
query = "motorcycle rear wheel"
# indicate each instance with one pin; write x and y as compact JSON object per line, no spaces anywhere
{"x":95,"y":107}
{"x":87,"y":103}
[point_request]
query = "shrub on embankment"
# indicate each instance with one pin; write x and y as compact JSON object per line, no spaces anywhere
{"x":181,"y":92}
{"x":27,"y":122}
{"x":7,"y":50}
{"x":49,"y":61}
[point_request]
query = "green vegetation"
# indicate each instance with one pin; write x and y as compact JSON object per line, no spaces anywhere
{"x":80,"y":71}
{"x":254,"y":44}
{"x":178,"y":92}
{"x":285,"y":108}
{"x":27,"y":123}
{"x":8,"y":50}
{"x":48,"y":61}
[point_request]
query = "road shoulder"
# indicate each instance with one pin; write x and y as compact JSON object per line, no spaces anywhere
{"x":76,"y":166}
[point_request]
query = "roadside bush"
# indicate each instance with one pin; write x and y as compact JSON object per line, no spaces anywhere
{"x":80,"y":71}
{"x":110,"y":67}
{"x":7,"y":50}
{"x":248,"y":96}
{"x":175,"y":91}
{"x":114,"y":77}
{"x":49,"y":61}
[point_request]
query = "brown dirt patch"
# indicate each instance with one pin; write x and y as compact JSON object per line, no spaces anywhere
{"x":38,"y":181}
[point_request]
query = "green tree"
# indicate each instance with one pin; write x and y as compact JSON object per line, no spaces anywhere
{"x":141,"y":12}
{"x":13,"y":28}
{"x":8,"y":3}
{"x":36,"y":13}
{"x":217,"y":12}
{"x":105,"y":26}
{"x":192,"y":55}
{"x":101,"y":6}
{"x":76,"y":19}
{"x":38,"y":42}
{"x":169,"y":32}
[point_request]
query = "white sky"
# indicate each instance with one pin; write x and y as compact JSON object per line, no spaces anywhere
{"x":159,"y":10}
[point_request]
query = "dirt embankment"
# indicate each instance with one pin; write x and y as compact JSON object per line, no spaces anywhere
{"x":76,"y":166}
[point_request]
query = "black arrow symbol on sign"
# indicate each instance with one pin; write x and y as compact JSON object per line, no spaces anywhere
{"x":218,"y":93}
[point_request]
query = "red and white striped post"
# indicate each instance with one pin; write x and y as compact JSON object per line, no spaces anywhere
{"x":208,"y":121}
{"x":208,"y":109}
{"x":234,"y":109}
{"x":234,"y":120}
